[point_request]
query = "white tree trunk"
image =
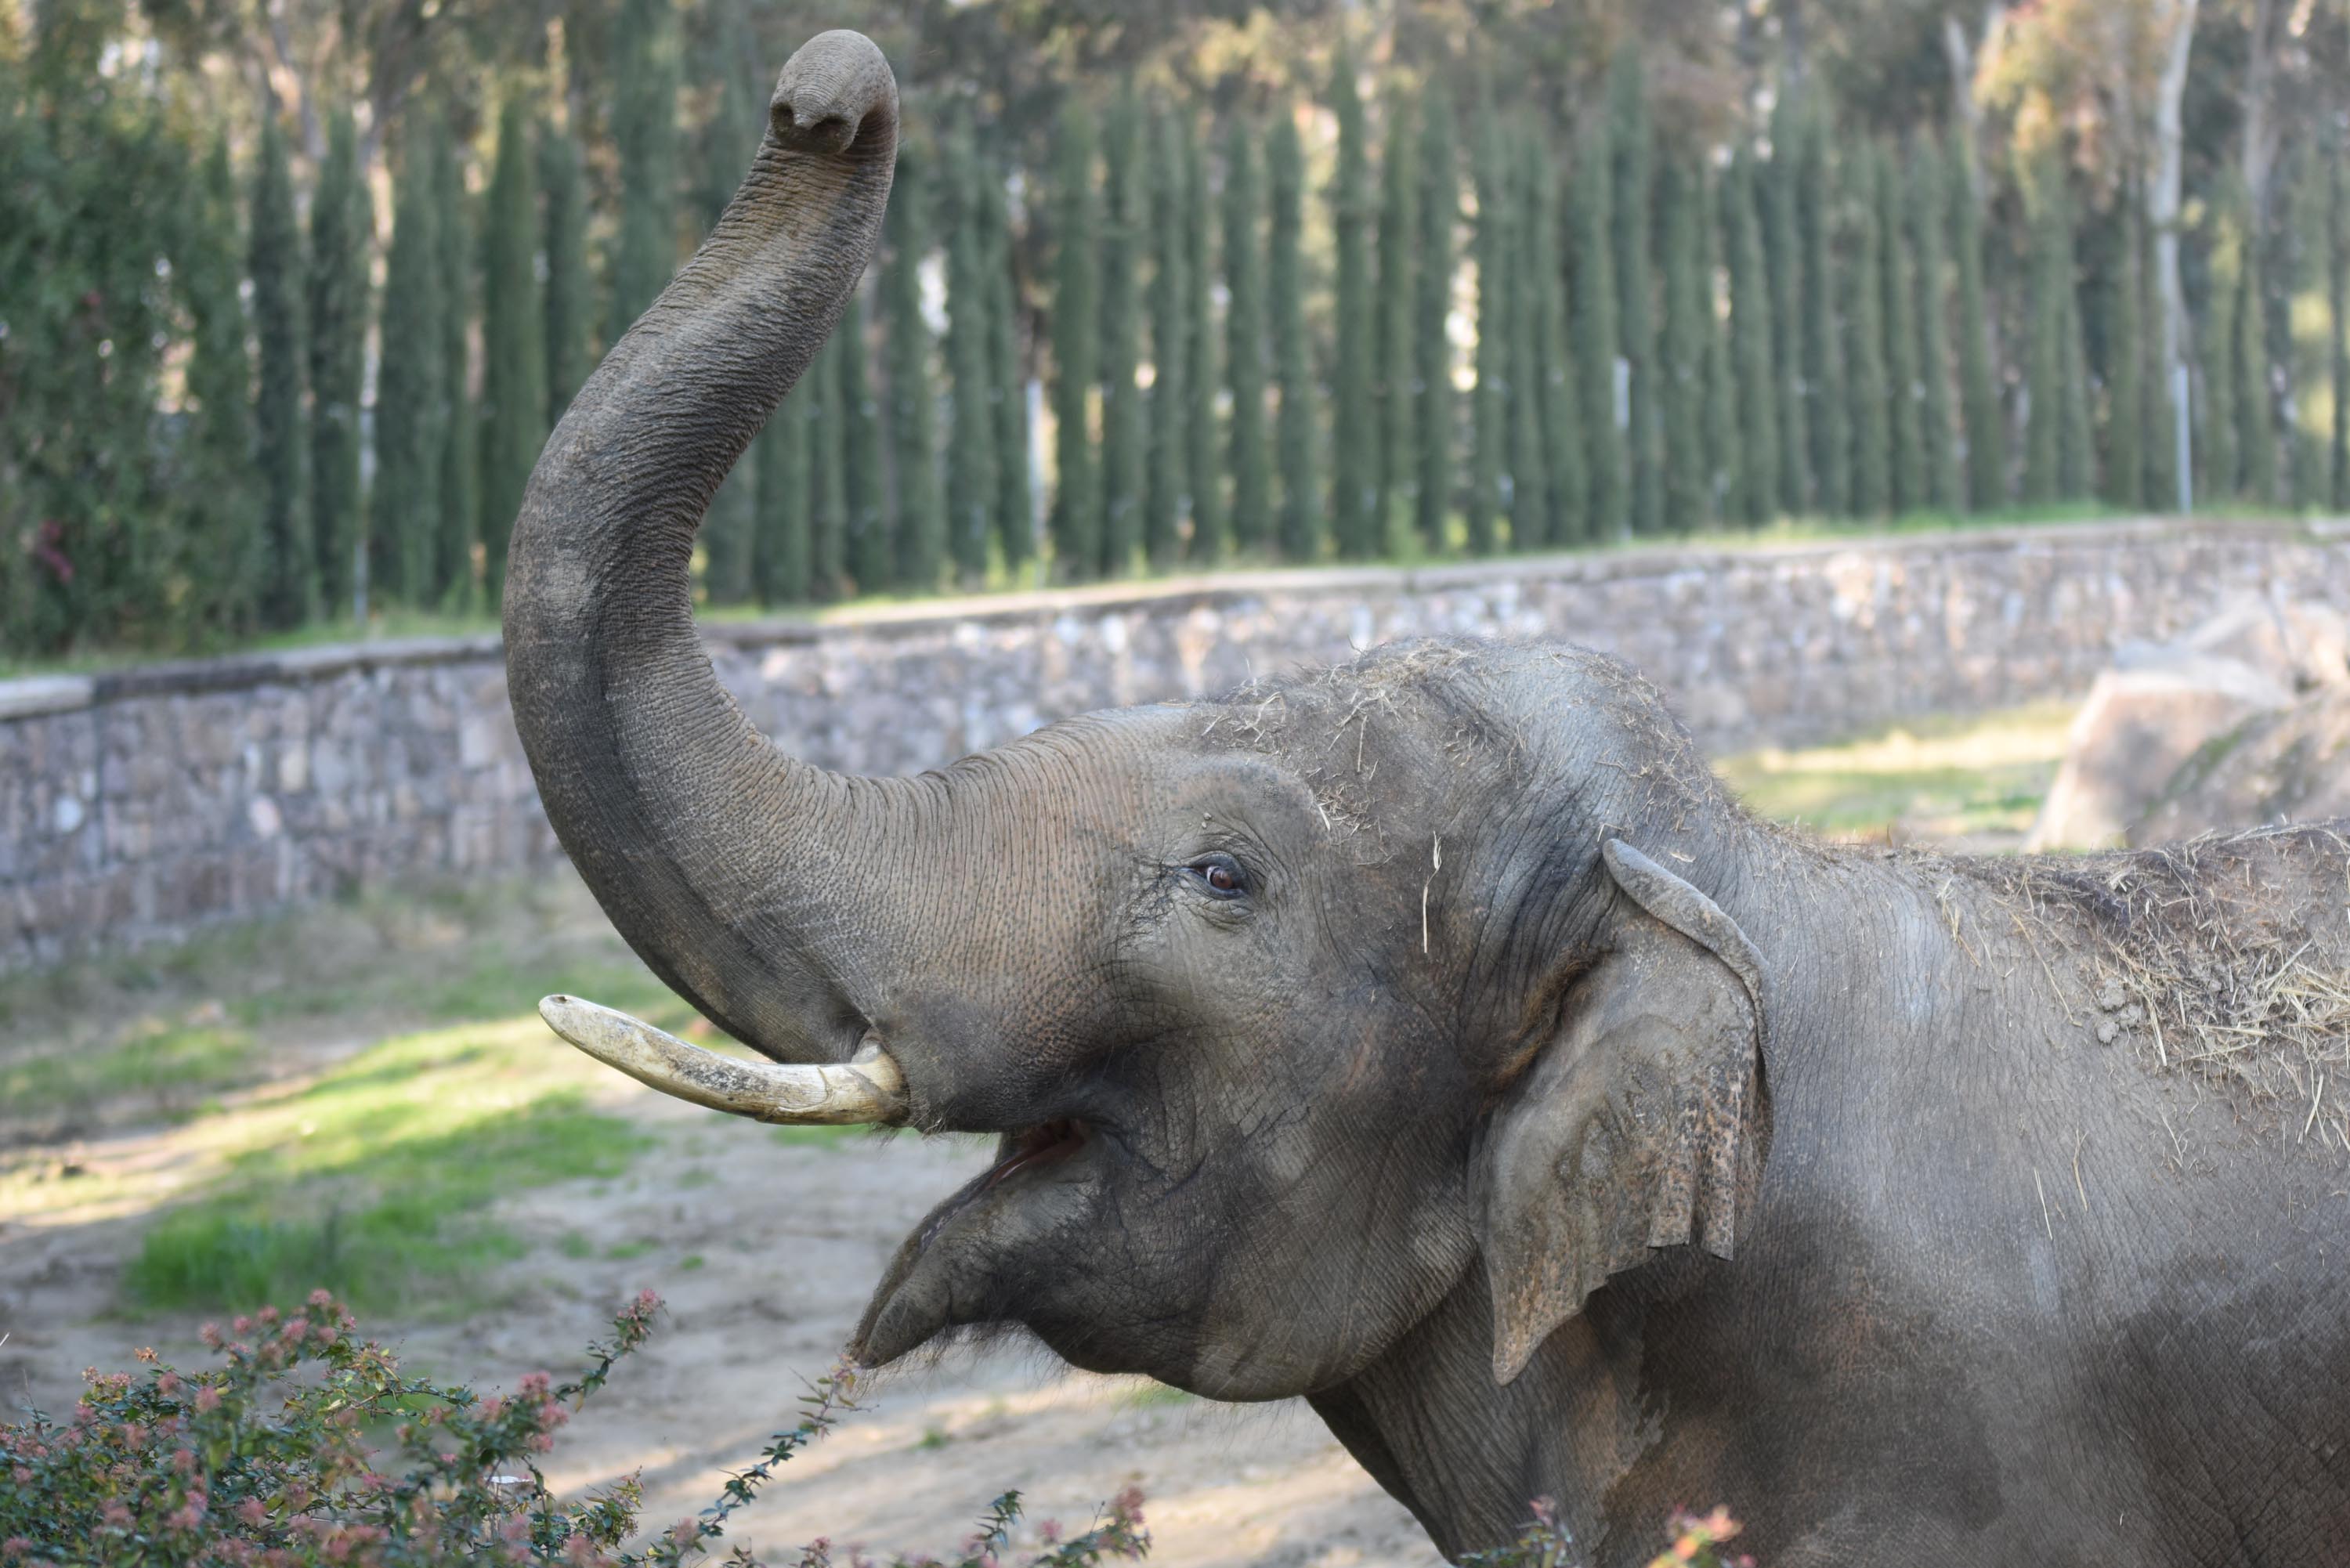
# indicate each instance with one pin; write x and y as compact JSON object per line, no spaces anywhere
{"x":1963,"y":54}
{"x":2163,"y":179}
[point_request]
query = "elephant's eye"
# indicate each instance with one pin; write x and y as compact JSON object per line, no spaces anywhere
{"x":1221,"y":875}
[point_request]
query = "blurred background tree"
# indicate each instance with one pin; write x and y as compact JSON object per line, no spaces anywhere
{"x":291,"y":291}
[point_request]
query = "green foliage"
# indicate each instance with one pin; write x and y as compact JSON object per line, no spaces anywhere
{"x":1121,"y":248}
{"x":1908,"y":468}
{"x":1986,"y":427}
{"x":2051,"y":280}
{"x":2216,"y":475}
{"x":1436,"y":418}
{"x":1394,"y":359}
{"x":1870,"y":421}
{"x":1590,"y":195}
{"x":828,"y":416}
{"x":1204,"y":477}
{"x":2077,"y":459}
{"x":1488,"y":409}
{"x":972,"y":492}
{"x":867,"y":549}
{"x":1560,"y":386}
{"x":1632,"y":150}
{"x":412,"y":387}
{"x":1750,"y":305}
{"x":787,"y":482}
{"x":273,"y":1455}
{"x":1015,"y":502}
{"x":1170,"y":457}
{"x":1355,"y":522}
{"x":1936,"y":427}
{"x":1827,"y":290}
{"x":2337,"y":296}
{"x":289,"y":594}
{"x":1779,"y":192}
{"x":514,"y":344}
{"x":1300,"y":521}
{"x":2256,"y":420}
{"x":569,"y":291}
{"x":455,"y":585}
{"x":219,"y":555}
{"x":911,"y":553}
{"x":341,"y":224}
{"x":1076,"y":223}
{"x":729,"y":138}
{"x":644,"y":125}
{"x":1723,"y":478}
{"x":2125,"y":362}
{"x":1534,"y":505}
{"x":1688,"y":311}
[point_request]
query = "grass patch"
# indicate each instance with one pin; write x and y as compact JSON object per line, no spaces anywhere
{"x":175,"y":1067}
{"x":1152,"y":1397}
{"x":375,"y":1180}
{"x":1981,"y":778}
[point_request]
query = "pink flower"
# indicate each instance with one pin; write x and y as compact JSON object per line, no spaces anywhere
{"x":168,"y":1384}
{"x":254,"y":1511}
{"x":267,"y":1315}
{"x":184,"y":1460}
{"x":211,"y":1335}
{"x":241,"y":1324}
{"x":208,"y":1397}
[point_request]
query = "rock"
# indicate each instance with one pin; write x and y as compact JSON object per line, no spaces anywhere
{"x":2144,"y":719}
{"x":2289,"y":765}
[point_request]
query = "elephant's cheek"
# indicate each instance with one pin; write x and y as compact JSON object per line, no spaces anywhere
{"x":976,"y":1260}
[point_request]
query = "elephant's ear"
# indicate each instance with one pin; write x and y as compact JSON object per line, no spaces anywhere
{"x":1642,"y":1122}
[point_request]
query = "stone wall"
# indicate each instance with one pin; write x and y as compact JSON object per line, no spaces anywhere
{"x":136,"y":804}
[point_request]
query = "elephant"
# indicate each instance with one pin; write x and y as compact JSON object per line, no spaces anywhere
{"x":1432,"y":1037}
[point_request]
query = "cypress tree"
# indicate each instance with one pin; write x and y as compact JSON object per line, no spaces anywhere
{"x":1354,"y":466}
{"x":1489,"y":411}
{"x":644,"y":125}
{"x":2125,"y":465}
{"x":452,"y":583}
{"x":1436,"y":416}
{"x":2215,"y":433}
{"x":2256,"y":436}
{"x":1590,"y":200}
{"x":2305,"y":267}
{"x":1529,"y":354}
{"x":729,"y":138}
{"x":1122,"y":244}
{"x":2337,"y":296}
{"x":1204,"y":476}
{"x":290,"y":584}
{"x":971,"y":489}
{"x":1907,"y":471}
{"x":1560,"y":387}
{"x":569,"y":289}
{"x":1300,"y":510}
{"x":2044,"y":367}
{"x":1750,"y":323}
{"x":869,"y":555}
{"x":1723,"y":479}
{"x":1398,"y":456}
{"x":1826,"y":293}
{"x":1076,"y":493}
{"x":2077,"y":460}
{"x":1245,"y":327}
{"x":1871,"y":420}
{"x":784,"y":484}
{"x":828,"y":418}
{"x":222,"y":552}
{"x":1170,"y":327}
{"x":1937,"y":431}
{"x":1780,"y":191}
{"x":912,"y":553}
{"x":2161,"y":438}
{"x":1986,"y":430}
{"x":514,"y":345}
{"x":1680,"y":189}
{"x":1633,"y":148}
{"x":1015,"y":500}
{"x":411,"y":390}
{"x":340,"y":219}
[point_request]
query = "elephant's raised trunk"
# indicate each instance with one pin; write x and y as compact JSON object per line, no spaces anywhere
{"x":712,"y":852}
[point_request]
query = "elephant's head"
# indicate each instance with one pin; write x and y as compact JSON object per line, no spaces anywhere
{"x":1290,"y":1008}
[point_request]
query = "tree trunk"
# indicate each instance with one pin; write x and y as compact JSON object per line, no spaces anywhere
{"x":2259,"y":90}
{"x":2163,"y":179}
{"x":1962,"y":55}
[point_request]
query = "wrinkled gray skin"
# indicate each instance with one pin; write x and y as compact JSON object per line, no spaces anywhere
{"x":1551,"y":1125}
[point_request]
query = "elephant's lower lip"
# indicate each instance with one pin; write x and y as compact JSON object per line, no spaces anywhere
{"x":1032,"y":1148}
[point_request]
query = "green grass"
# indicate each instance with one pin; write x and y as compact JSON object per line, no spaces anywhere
{"x":374,"y":1182}
{"x":175,"y":1068}
{"x":1978,"y":778}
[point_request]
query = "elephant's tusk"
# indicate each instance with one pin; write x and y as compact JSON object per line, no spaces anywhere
{"x":867,"y":1089}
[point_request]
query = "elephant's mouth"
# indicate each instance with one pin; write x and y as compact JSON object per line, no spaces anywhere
{"x":1031,"y":1148}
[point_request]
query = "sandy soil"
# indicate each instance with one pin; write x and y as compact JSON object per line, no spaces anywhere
{"x":788,"y":1240}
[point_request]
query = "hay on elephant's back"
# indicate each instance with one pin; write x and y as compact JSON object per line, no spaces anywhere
{"x":2226,"y":957}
